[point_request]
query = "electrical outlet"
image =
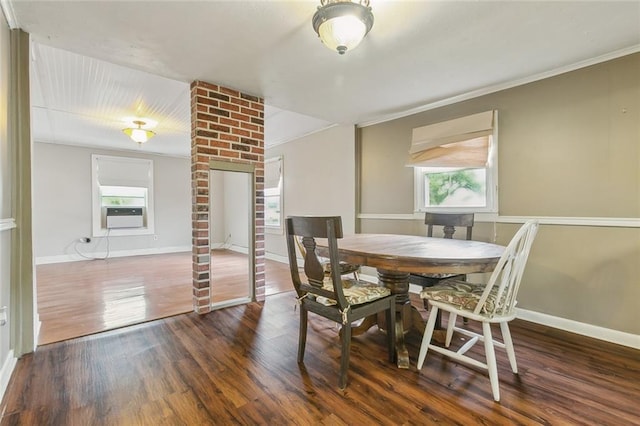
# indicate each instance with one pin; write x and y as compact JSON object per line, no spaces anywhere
{"x":155,"y":238}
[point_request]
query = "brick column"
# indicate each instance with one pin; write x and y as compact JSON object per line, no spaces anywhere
{"x":226,"y":125}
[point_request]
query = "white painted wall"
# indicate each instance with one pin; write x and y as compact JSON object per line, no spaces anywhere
{"x":319,"y":179}
{"x":218,"y":232}
{"x":237,"y":207}
{"x":62,"y":205}
{"x":229,"y":209}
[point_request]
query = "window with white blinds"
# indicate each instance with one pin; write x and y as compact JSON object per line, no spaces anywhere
{"x":123,"y":185}
{"x":455,"y":164}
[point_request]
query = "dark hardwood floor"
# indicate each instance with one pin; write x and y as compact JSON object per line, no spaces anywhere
{"x":238,"y":366}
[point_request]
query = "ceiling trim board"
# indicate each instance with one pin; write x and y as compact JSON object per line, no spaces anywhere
{"x":287,"y":140}
{"x":102,"y":148}
{"x":9,"y":15}
{"x":508,"y":85}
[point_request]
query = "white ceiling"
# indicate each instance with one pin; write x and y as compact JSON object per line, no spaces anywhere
{"x":138,"y":57}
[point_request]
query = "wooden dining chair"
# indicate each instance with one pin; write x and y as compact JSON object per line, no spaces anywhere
{"x":338,"y":299}
{"x":488,"y":304}
{"x":345,"y":267}
{"x":448,"y":222}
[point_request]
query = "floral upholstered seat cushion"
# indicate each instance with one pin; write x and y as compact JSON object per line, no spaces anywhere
{"x":345,"y":268}
{"x":356,"y":292}
{"x":461,"y":294}
{"x":438,"y":276}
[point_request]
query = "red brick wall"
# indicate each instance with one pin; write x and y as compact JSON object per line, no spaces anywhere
{"x":226,"y":125}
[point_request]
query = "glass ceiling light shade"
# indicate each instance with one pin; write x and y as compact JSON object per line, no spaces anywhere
{"x":342,"y":24}
{"x":138,"y":134}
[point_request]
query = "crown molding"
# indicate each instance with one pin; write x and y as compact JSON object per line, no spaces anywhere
{"x":6,"y":224}
{"x":9,"y":15}
{"x":507,"y":85}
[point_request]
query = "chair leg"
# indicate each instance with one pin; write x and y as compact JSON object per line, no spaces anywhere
{"x":302,"y":338}
{"x":391,"y":332}
{"x":426,"y":338}
{"x":508,"y":343}
{"x":344,"y":358}
{"x":450,"y":324}
{"x":425,"y":303}
{"x":491,"y":360}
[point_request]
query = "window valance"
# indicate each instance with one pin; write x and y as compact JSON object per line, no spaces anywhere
{"x":462,"y":142}
{"x":123,"y":171}
{"x":272,"y":172}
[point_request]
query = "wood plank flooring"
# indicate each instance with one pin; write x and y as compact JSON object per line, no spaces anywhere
{"x":238,"y":366}
{"x":229,"y":271}
{"x":80,"y":298}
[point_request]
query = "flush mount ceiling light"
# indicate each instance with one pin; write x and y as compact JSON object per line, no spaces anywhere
{"x":138,"y":134}
{"x":342,"y":24}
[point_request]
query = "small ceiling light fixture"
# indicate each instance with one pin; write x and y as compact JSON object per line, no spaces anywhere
{"x":342,"y":24}
{"x":138,"y":134}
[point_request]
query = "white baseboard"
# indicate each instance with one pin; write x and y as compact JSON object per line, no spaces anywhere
{"x":278,"y":258}
{"x":230,"y":303}
{"x":6,"y":371}
{"x":43,"y":260}
{"x":36,"y":330}
{"x":215,"y":246}
{"x":589,"y":330}
{"x":238,"y":249}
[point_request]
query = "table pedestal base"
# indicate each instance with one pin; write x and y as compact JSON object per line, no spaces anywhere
{"x":406,"y":315}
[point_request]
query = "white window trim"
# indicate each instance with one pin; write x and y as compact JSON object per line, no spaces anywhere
{"x":492,"y":184}
{"x":96,"y":207}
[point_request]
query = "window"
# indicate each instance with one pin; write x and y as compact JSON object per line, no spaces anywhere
{"x":455,"y":165}
{"x":273,"y":209}
{"x":124,"y":196}
{"x":121,"y":182}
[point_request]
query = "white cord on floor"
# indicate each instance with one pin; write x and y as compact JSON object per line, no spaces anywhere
{"x":75,"y":247}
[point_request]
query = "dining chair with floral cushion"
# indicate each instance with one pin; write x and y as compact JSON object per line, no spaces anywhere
{"x":490,"y":303}
{"x":345,"y":267}
{"x":335,"y":297}
{"x":448,"y":222}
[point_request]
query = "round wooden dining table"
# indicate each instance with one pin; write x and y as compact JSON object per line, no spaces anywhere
{"x":395,"y":256}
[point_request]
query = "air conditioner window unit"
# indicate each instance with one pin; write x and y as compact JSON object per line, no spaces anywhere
{"x":124,"y":217}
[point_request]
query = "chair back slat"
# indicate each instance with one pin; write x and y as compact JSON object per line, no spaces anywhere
{"x":449,"y":222}
{"x":309,"y":229}
{"x":507,"y":275}
{"x":312,"y":266}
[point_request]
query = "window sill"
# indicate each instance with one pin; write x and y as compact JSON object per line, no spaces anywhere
{"x":122,"y":232}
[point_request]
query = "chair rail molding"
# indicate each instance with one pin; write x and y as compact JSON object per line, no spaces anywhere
{"x":6,"y":224}
{"x":613,"y":222}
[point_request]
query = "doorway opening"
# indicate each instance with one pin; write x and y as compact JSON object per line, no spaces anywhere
{"x":232,"y":233}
